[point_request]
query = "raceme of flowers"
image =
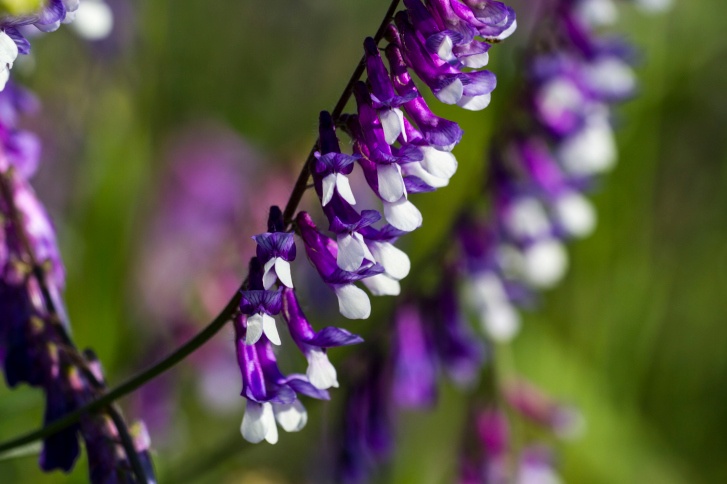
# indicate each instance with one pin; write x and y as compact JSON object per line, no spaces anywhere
{"x":402,"y":148}
{"x":35,"y":347}
{"x":539,"y":171}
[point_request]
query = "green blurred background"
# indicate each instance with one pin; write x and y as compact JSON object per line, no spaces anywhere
{"x":635,"y":336}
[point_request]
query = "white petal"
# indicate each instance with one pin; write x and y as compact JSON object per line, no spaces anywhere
{"x":353,"y":303}
{"x":545,"y":263}
{"x":395,"y":261}
{"x":271,"y":434}
{"x":576,"y":214}
{"x":475,"y":103}
{"x":282,"y":269}
{"x":292,"y":417}
{"x":392,"y":121}
{"x":611,"y":75}
{"x":8,"y":50}
{"x":452,"y":93}
{"x":270,"y":330}
{"x":94,"y":20}
{"x":254,"y":329}
{"x":507,"y":33}
{"x":597,"y":12}
{"x":382,"y":285}
{"x":526,"y":217}
{"x":445,"y":49}
{"x":391,"y":183}
{"x":501,"y":322}
{"x":476,"y":61}
{"x":329,"y":185}
{"x":269,"y":276}
{"x":441,"y":164}
{"x":258,"y":423}
{"x":4,"y":77}
{"x":415,"y":169}
{"x":592,"y":150}
{"x":350,"y":252}
{"x":321,"y":373}
{"x":403,"y":215}
{"x":344,"y":188}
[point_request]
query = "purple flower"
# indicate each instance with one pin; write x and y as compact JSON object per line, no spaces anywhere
{"x":353,"y":302}
{"x":572,"y":214}
{"x":260,"y":306}
{"x":321,"y":373}
{"x":537,"y":466}
{"x":437,"y":132}
{"x":469,"y":90}
{"x":331,"y":167}
{"x":270,"y":395}
{"x":461,"y":352}
{"x":276,"y":250}
{"x":367,"y":438}
{"x":415,"y":374}
{"x":384,"y":97}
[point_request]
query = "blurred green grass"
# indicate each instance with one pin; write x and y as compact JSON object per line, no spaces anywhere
{"x":635,"y":335}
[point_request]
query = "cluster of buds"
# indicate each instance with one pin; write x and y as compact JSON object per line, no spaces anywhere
{"x":402,"y":148}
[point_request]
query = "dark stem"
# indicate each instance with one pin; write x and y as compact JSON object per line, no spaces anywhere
{"x":225,"y":315}
{"x":301,"y":185}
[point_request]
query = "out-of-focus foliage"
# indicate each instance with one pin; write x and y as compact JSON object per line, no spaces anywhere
{"x":635,"y":336}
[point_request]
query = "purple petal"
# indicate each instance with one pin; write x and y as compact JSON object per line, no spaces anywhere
{"x":330,"y":337}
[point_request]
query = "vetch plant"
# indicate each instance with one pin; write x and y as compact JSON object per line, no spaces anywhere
{"x":545,"y":156}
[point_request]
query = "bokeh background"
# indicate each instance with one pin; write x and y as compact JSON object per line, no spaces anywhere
{"x":635,"y":336}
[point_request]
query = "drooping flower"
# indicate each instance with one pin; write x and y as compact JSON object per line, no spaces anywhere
{"x":271,"y":396}
{"x":276,"y":250}
{"x":314,"y":344}
{"x":322,"y":251}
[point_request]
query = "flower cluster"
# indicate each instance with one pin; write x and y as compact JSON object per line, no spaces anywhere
{"x":35,"y":348}
{"x":541,"y":165}
{"x":541,"y":169}
{"x":402,"y":148}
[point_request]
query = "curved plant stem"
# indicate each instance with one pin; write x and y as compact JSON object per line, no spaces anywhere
{"x":225,"y":315}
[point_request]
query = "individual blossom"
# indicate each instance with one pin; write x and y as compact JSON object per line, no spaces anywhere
{"x":271,"y":396}
{"x":469,"y":90}
{"x":571,"y":213}
{"x":260,"y":306}
{"x":275,"y":250}
{"x":537,"y":466}
{"x":93,"y":20}
{"x":322,"y":251}
{"x":367,"y":438}
{"x":488,"y":464}
{"x":314,"y":344}
{"x":485,"y":288}
{"x":460,"y":351}
{"x":331,"y":166}
{"x":415,"y":373}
